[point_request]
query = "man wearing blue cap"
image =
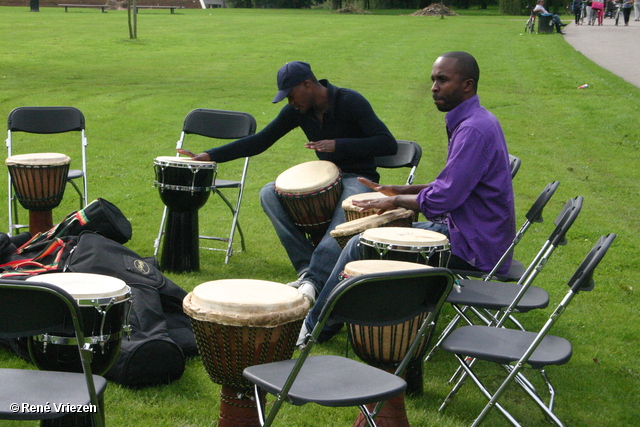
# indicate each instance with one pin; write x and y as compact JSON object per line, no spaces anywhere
{"x":342,"y":128}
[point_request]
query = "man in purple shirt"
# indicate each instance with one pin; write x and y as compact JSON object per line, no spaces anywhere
{"x":471,"y":200}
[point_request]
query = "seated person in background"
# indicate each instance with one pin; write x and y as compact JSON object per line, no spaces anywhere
{"x":473,"y":193}
{"x":554,"y":18}
{"x":341,"y":127}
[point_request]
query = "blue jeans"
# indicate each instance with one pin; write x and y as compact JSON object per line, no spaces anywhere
{"x":319,"y":260}
{"x":352,"y":251}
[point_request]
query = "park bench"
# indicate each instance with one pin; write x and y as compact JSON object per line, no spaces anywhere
{"x":95,"y":6}
{"x":160,"y":7}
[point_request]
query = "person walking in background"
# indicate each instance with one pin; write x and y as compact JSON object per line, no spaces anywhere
{"x":597,"y":7}
{"x":636,"y":6}
{"x":576,"y":7}
{"x":626,"y":11}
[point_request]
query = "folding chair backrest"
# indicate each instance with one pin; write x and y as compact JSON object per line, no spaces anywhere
{"x":514,"y":165}
{"x":408,"y":156}
{"x":534,"y":214}
{"x":388,"y":298}
{"x":219,"y":124}
{"x":45,"y":120}
{"x":582,"y":279}
{"x":30,"y":308}
{"x":565,"y":220}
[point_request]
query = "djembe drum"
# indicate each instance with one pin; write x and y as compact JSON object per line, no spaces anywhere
{"x":184,"y":185}
{"x":406,"y":244}
{"x":310,"y":193}
{"x":411,"y":245}
{"x":39,"y":181}
{"x":396,"y":218}
{"x":386,"y":346}
{"x":105,"y":303}
{"x":241,"y":323}
{"x":352,"y":211}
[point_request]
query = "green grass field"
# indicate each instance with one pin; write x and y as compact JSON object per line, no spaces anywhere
{"x":135,"y":94}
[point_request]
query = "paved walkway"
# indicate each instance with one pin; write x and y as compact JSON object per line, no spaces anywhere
{"x":611,"y":47}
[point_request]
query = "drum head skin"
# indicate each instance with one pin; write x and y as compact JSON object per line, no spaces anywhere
{"x":402,"y":236}
{"x":183,"y":162}
{"x":86,"y":286}
{"x":368,"y":266}
{"x":307,"y":177}
{"x":246,"y":302}
{"x":39,"y":159}
{"x":347,"y":204}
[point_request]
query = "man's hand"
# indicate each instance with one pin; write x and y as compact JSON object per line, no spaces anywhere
{"x":381,"y":205}
{"x":324,"y":146}
{"x":387,"y":190}
{"x":202,"y":157}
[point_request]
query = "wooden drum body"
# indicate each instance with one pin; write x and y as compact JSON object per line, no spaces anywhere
{"x":105,"y":303}
{"x":406,"y":244}
{"x":241,"y":323}
{"x":184,"y":186}
{"x":396,"y":218}
{"x":39,"y":181}
{"x":310,"y":193}
{"x":386,"y":346}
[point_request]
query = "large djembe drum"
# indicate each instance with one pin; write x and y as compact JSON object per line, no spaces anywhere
{"x":395,"y":218}
{"x":241,"y":323}
{"x":39,"y":181}
{"x":310,"y":193}
{"x":105,"y":303}
{"x":385,"y":346}
{"x":184,"y":185}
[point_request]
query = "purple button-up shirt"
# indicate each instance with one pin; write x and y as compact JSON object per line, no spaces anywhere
{"x":474,"y":190}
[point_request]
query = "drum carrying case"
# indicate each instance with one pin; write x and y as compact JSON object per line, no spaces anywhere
{"x":161,"y":336}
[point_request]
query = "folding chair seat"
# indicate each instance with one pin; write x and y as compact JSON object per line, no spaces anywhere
{"x":520,"y":297}
{"x":377,"y":299}
{"x":514,"y":165}
{"x":30,"y":308}
{"x":516,"y":350}
{"x":47,"y":120}
{"x":221,"y":125}
{"x":408,"y":156}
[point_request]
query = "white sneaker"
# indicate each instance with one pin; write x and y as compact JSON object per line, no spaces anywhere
{"x":303,"y":334}
{"x":296,"y":284}
{"x":309,"y":291}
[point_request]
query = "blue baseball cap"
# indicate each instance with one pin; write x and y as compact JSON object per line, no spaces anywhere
{"x":290,"y":75}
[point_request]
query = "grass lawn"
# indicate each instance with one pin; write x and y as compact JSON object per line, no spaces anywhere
{"x":135,"y":94}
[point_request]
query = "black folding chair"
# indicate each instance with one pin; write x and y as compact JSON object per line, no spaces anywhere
{"x":408,"y":156}
{"x":218,"y":124}
{"x":516,"y":350}
{"x":47,"y":120}
{"x":30,"y":308}
{"x":378,"y":299}
{"x":476,"y":295}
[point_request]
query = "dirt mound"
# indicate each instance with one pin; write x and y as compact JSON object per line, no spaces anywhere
{"x":435,"y":9}
{"x":351,"y":9}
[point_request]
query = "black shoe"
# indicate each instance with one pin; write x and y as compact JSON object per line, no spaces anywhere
{"x":563,"y":25}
